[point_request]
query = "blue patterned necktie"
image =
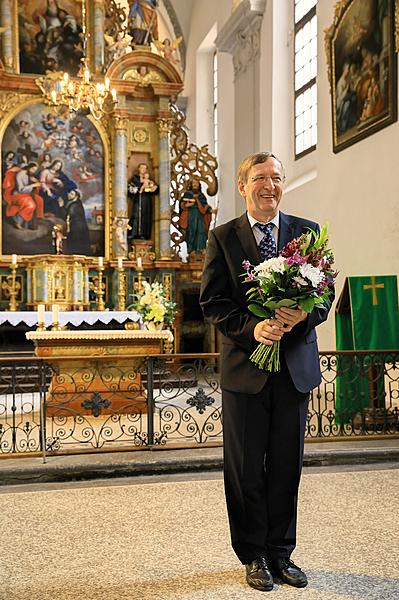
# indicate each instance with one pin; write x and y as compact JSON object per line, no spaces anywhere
{"x":267,"y":245}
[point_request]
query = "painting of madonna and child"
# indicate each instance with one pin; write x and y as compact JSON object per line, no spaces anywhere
{"x":52,"y":174}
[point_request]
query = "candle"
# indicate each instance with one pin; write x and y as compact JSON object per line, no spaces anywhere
{"x":40,"y":313}
{"x":120,"y":262}
{"x":56,"y":311}
{"x":139,"y":262}
{"x":100,"y":261}
{"x":13,"y":259}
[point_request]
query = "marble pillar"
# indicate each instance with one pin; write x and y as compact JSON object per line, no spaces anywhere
{"x":98,"y":36}
{"x":6,"y":37}
{"x":120,"y":209}
{"x":164,"y":127}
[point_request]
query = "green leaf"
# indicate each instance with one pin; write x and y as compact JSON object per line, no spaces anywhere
{"x":258,"y":311}
{"x":307,"y":304}
{"x":286,"y":302}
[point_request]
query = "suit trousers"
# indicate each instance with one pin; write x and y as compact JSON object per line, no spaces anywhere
{"x":263,"y":451}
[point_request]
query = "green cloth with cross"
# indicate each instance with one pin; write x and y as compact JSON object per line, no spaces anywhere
{"x":366,"y":318}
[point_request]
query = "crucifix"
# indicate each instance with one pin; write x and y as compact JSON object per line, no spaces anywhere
{"x":374,"y":287}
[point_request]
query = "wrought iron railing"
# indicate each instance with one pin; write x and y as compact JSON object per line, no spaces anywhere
{"x":173,"y":400}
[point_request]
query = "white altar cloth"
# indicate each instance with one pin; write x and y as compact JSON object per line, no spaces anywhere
{"x":72,"y":317}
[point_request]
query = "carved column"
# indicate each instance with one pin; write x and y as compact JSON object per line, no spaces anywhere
{"x":98,"y":35}
{"x":164,"y":128}
{"x":120,"y":212}
{"x":6,"y":37}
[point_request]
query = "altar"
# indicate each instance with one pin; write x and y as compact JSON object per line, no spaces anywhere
{"x":97,"y":372}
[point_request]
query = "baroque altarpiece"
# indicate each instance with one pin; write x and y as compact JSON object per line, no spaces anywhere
{"x":72,"y":197}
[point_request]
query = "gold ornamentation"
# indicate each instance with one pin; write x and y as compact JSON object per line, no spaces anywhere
{"x":188,"y":161}
{"x":97,"y":285}
{"x":106,"y":334}
{"x":79,"y":93}
{"x":167,"y":285}
{"x":164,"y":127}
{"x":143,"y":76}
{"x":140,"y":135}
{"x":121,"y":304}
{"x":11,"y":288}
{"x":8,"y":102}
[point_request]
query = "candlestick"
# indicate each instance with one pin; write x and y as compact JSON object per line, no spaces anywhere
{"x":11,"y":286}
{"x":40,"y":317}
{"x":139,"y":262}
{"x":100,"y":261}
{"x":55,"y":309}
{"x":121,"y":286}
{"x":13,"y":259}
{"x":98,"y":287}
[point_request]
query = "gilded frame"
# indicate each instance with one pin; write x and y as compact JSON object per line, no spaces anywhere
{"x":22,"y":102}
{"x":361,"y":47}
{"x":17,"y":5}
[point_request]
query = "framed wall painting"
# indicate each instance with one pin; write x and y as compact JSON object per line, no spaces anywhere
{"x":52,"y":174}
{"x":49,"y":36}
{"x":362,"y":67}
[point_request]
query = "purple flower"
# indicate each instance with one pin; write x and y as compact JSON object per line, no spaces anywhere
{"x":296,"y":259}
{"x":246,"y":265}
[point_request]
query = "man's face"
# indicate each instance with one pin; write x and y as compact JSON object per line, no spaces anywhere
{"x":142,"y":169}
{"x":263,"y":190}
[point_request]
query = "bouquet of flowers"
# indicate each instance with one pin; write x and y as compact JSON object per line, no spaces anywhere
{"x":301,"y":276}
{"x":153,"y":305}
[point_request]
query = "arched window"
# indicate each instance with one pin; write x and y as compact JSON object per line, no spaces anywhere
{"x":305,"y":85}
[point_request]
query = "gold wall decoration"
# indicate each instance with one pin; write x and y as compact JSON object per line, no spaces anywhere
{"x":143,"y":76}
{"x":187,"y":161}
{"x":61,"y":280}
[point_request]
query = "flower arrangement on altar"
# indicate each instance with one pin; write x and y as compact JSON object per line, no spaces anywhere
{"x":301,"y":276}
{"x":153,"y":305}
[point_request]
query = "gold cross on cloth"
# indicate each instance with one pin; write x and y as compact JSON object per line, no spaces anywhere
{"x":374,"y":287}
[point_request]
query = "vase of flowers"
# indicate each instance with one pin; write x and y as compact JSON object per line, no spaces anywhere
{"x":155,"y":308}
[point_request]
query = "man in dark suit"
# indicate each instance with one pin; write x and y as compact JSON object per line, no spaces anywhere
{"x":264,"y":414}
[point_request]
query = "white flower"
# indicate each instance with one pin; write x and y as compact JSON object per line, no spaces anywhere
{"x":265,"y":268}
{"x":313,"y":274}
{"x":300,"y":281}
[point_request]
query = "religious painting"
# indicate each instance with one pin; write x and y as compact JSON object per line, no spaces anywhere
{"x":49,"y":36}
{"x":362,"y":67}
{"x":53,"y":180}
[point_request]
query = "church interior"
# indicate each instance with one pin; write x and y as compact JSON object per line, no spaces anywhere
{"x":122,"y":127}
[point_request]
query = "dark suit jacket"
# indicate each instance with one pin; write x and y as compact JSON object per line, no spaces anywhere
{"x":224,"y":303}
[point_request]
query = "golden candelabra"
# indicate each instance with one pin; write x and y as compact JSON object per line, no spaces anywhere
{"x":121,"y":288}
{"x":139,"y":270}
{"x":81,"y":93}
{"x":12,"y":287}
{"x":98,"y":287}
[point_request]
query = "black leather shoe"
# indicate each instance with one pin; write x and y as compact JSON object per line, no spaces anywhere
{"x":288,"y":572}
{"x":258,"y":574}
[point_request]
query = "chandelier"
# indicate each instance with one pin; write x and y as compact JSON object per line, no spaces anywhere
{"x":81,"y":94}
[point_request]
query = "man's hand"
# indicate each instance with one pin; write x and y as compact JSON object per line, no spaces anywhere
{"x":269,"y":331}
{"x":289,"y":317}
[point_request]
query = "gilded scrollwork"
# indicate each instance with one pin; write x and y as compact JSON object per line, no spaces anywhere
{"x":187,"y":161}
{"x":8,"y":102}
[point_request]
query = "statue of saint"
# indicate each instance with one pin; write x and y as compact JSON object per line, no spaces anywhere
{"x":195,"y":217}
{"x":141,"y":190}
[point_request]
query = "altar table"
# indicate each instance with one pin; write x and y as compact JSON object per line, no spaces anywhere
{"x":96,"y":386}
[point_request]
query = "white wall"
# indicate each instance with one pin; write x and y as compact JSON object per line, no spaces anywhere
{"x":356,"y":190}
